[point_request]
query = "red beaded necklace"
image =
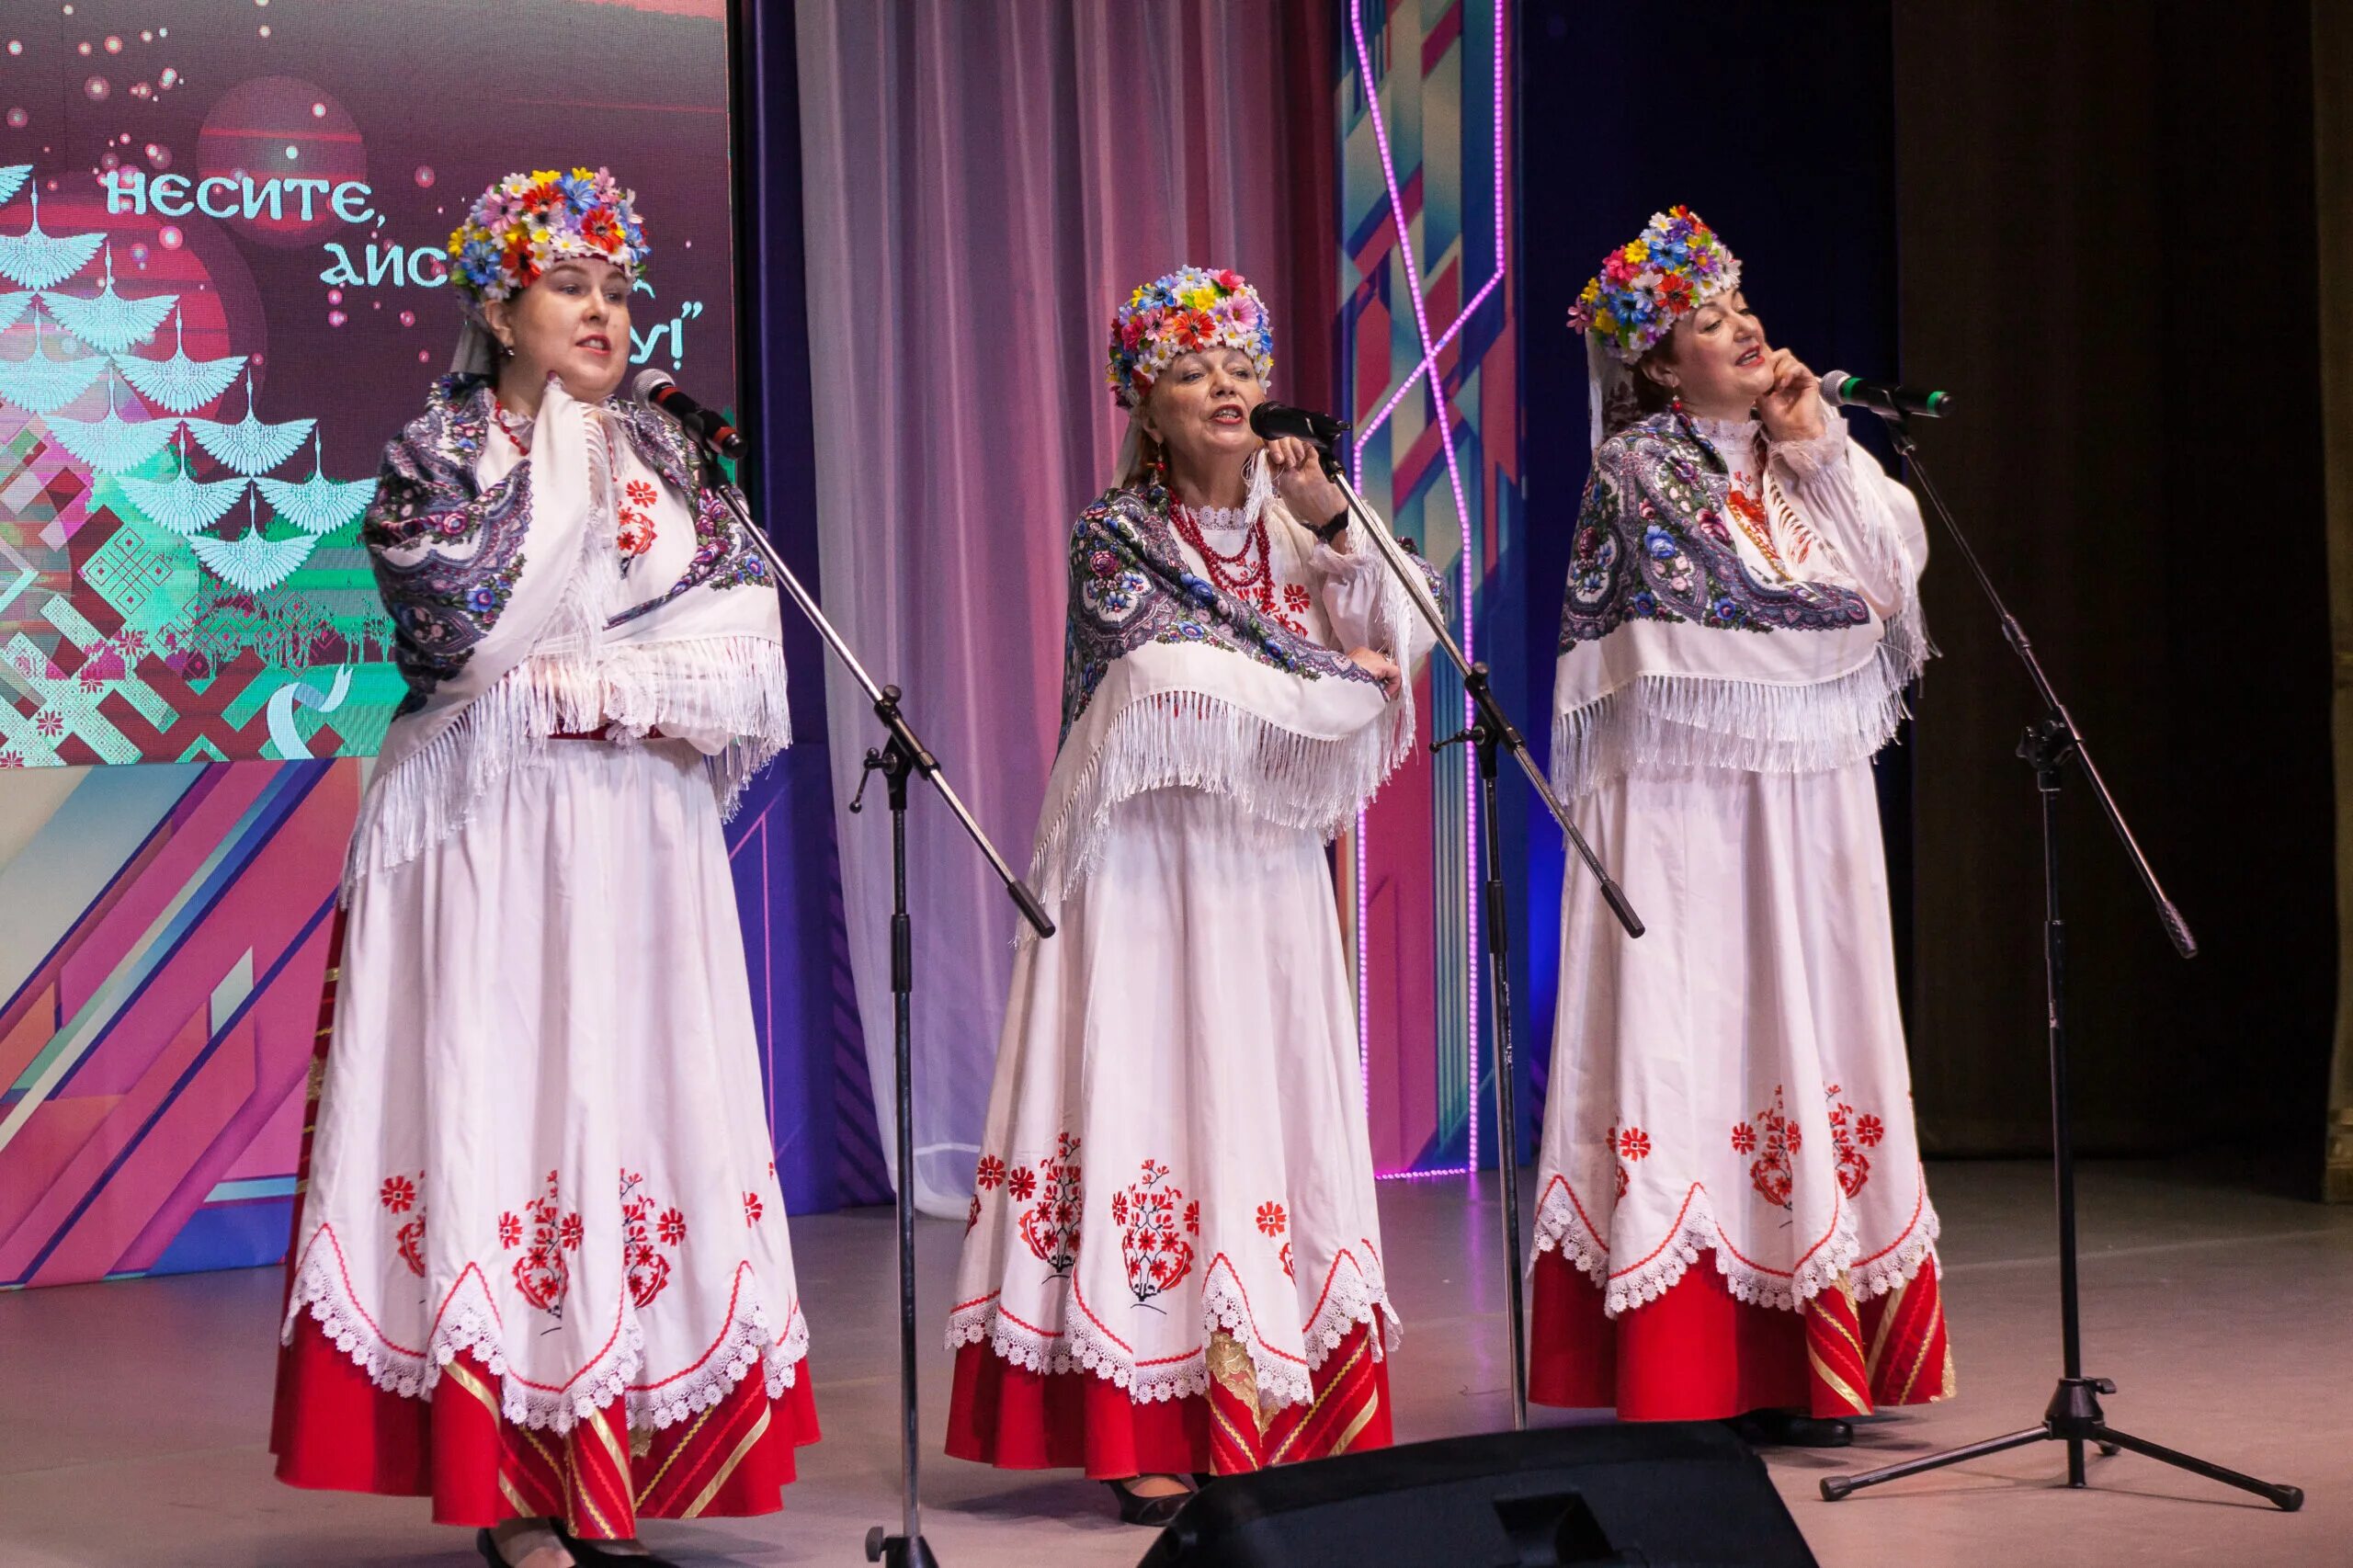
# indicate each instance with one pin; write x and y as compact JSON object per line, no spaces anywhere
{"x":1248,"y":574}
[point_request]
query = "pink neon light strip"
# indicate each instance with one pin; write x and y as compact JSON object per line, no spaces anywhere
{"x":1428,"y":363}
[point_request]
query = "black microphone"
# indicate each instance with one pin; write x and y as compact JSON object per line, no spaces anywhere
{"x":656,"y":390}
{"x":1888,"y":401}
{"x":1274,"y":421}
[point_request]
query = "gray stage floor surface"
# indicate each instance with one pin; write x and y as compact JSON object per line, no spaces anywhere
{"x":135,"y":1412}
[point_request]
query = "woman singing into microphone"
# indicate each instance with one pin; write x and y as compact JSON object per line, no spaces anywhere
{"x":542,"y":1273}
{"x":1732,"y":1221}
{"x":1173,"y":1261}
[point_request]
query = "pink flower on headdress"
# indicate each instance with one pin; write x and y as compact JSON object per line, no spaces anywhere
{"x":1230,"y":280}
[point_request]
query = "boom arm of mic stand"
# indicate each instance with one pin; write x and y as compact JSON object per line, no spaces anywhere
{"x":2177,"y":929}
{"x":1475,"y":682}
{"x":885,"y":699}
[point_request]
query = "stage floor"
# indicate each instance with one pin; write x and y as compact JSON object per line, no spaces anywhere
{"x":135,"y":1412}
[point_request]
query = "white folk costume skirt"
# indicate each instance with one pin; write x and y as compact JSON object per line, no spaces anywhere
{"x":1173,"y":1261}
{"x":1732,"y":1213}
{"x":541,"y":1267}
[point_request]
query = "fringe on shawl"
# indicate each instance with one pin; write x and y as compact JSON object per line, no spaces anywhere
{"x":1192,"y":740}
{"x":1675,"y":721}
{"x":574,"y":681}
{"x":732,"y":686}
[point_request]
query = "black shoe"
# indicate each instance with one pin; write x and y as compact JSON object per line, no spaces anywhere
{"x":489,"y":1550}
{"x":589,"y":1555}
{"x":1787,"y":1428}
{"x":1138,"y":1509}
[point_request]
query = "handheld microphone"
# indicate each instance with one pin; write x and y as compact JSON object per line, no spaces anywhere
{"x":1275,"y":421}
{"x":656,"y":390}
{"x":1887,"y":401}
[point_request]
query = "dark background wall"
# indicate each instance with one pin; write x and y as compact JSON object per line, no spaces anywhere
{"x":2097,"y":225}
{"x":2107,"y":238}
{"x":1738,"y":129}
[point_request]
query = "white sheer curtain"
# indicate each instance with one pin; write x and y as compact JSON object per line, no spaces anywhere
{"x":982,"y":180}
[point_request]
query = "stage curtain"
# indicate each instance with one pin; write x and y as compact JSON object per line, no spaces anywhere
{"x":2085,"y":195}
{"x":983,"y":181}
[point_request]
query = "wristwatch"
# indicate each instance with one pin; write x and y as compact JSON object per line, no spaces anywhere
{"x":1334,"y":528}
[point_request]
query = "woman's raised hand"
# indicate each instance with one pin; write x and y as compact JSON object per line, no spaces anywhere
{"x":1300,"y":480}
{"x":1793,"y":409}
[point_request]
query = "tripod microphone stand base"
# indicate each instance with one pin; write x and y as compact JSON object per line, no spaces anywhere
{"x":2075,"y":1418}
{"x":896,"y":1552}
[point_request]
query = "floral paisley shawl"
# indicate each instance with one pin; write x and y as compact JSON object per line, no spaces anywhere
{"x":1651,"y":543}
{"x":1811,"y":676}
{"x":509,"y":622}
{"x":445,"y":603}
{"x":1129,"y":586}
{"x":1170,"y":681}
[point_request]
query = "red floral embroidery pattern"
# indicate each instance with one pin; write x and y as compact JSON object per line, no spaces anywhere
{"x":1775,"y":1137}
{"x":1157,"y":1257}
{"x":637,"y":517}
{"x":990,"y":1174}
{"x":1021,"y":1184}
{"x":1050,"y":1225}
{"x":510,"y":1231}
{"x":753,"y":1209}
{"x":541,"y":1273}
{"x":1272,"y":1222}
{"x":1851,"y":1135}
{"x":644,"y":1236}
{"x":398,"y":1195}
{"x":972,"y":1215}
{"x":1633,"y":1144}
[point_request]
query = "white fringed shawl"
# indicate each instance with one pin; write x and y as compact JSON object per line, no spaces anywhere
{"x":1169,"y":681}
{"x":516,"y":624}
{"x":1682,"y":646}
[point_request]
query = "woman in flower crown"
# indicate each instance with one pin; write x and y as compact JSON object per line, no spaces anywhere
{"x":1732,"y":1221}
{"x":540,"y":1272}
{"x":1172,"y":1262}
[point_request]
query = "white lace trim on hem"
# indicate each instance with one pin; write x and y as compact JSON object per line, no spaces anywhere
{"x":1351,"y":1293}
{"x":1561,"y":1227}
{"x":470,"y":1322}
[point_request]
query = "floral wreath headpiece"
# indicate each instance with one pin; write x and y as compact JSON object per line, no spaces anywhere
{"x":527,"y":222}
{"x":1188,"y":311}
{"x":1676,"y":265}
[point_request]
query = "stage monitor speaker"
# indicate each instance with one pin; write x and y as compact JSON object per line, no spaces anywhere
{"x":1689,"y":1494}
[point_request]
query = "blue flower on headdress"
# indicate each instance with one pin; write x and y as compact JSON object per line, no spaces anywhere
{"x":1642,"y":604}
{"x":479,"y":262}
{"x":1659,"y":543}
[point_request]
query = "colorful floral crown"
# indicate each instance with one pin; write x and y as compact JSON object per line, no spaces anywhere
{"x":1677,"y":265}
{"x":526,"y":224}
{"x":1184,"y":313}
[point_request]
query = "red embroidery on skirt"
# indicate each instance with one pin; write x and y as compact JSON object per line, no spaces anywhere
{"x":1852,"y":1134}
{"x":972,"y":1215}
{"x":1272,"y":1222}
{"x":1021,"y":1184}
{"x":1050,"y":1225}
{"x":1157,"y":1258}
{"x":398,"y":1195}
{"x":990,"y":1174}
{"x":1771,"y":1172}
{"x":644,"y":1235}
{"x":753,"y":1209}
{"x":541,"y":1273}
{"x":1626,"y":1146}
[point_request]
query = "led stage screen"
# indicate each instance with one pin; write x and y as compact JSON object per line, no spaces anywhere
{"x":224,"y":286}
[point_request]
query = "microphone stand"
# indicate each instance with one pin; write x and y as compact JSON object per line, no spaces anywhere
{"x":900,"y":755}
{"x":1490,"y":733}
{"x":2073,"y":1415}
